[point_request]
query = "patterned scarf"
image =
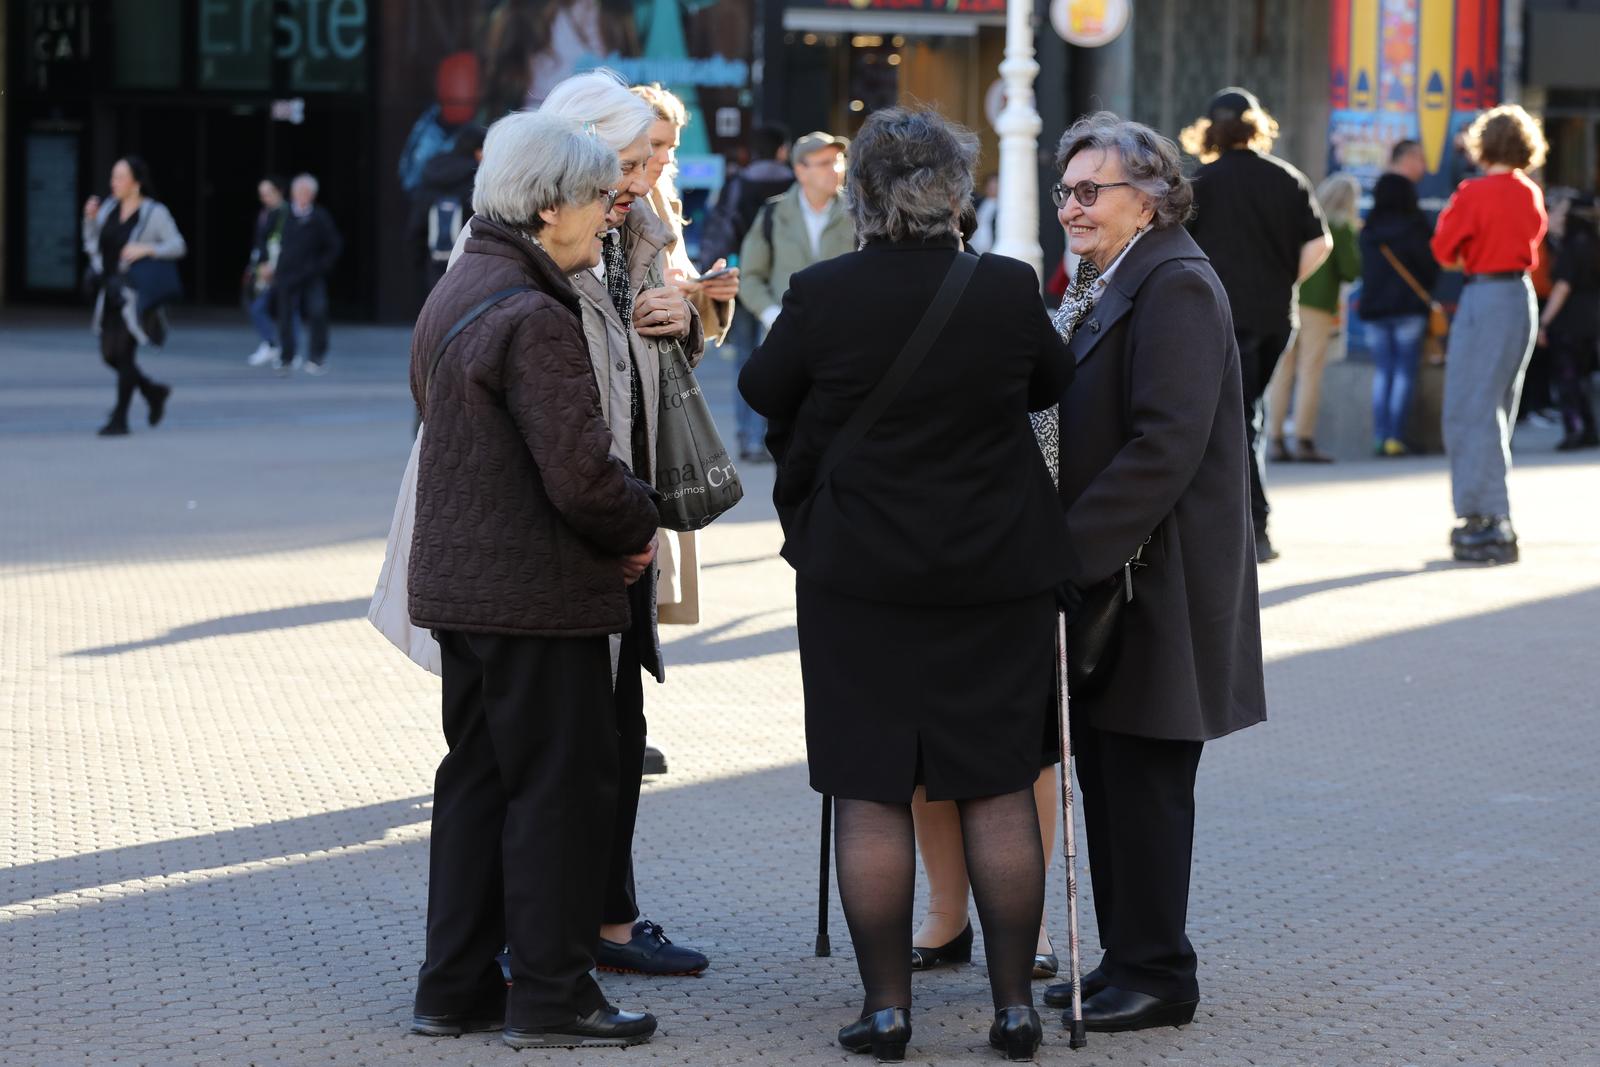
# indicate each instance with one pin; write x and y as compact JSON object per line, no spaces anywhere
{"x":1075,"y":306}
{"x":617,"y":287}
{"x":617,"y":277}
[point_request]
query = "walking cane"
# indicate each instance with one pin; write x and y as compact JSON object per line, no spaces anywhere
{"x":1069,"y":836}
{"x":824,"y":948}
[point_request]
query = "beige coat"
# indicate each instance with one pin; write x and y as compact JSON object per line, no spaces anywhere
{"x":716,"y":316}
{"x":610,"y":341}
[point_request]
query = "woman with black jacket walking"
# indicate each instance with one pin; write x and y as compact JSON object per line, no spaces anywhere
{"x":118,"y":233}
{"x":1394,"y":314}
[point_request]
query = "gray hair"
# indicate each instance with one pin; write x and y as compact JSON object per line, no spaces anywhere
{"x":533,"y":160}
{"x":1340,"y":197}
{"x":910,"y":175}
{"x":1150,"y":162}
{"x":601,"y":99}
{"x":306,"y":179}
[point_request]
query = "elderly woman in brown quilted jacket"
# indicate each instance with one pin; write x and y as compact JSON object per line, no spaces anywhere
{"x":529,"y":532}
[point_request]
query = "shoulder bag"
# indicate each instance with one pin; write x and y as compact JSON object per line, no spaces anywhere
{"x":895,"y":378}
{"x":390,"y":611}
{"x":1438,"y":320}
{"x":695,"y":476}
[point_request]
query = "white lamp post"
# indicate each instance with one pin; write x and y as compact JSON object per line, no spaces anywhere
{"x":1019,"y":125}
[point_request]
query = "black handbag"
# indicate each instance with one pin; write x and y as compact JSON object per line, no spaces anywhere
{"x":1094,"y":637}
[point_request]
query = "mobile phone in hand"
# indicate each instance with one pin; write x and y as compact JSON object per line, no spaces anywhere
{"x":716,"y":274}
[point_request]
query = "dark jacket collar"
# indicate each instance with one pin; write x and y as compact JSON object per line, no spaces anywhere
{"x":1154,"y":249}
{"x":948,"y":241}
{"x":492,"y":239}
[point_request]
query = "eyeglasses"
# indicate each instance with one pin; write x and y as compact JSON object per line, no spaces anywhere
{"x":610,"y":197}
{"x":1086,"y":191}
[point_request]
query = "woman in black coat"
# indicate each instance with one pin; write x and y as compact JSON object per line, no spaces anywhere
{"x":1152,"y":454}
{"x":926,"y":561}
{"x":1394,"y":314}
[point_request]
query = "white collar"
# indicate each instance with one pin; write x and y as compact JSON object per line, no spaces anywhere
{"x":1100,"y":283}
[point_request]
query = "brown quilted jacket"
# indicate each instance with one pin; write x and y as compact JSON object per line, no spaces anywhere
{"x":522,"y":512}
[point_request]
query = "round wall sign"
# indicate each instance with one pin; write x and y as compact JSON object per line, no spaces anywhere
{"x":1090,"y":23}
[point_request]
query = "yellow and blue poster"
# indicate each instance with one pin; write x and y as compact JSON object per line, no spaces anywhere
{"x":1416,"y":70}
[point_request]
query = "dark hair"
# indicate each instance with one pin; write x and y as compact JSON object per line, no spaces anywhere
{"x":767,"y":139}
{"x":1394,"y":193}
{"x":277,"y":182}
{"x":141,"y":174}
{"x":469,"y":140}
{"x":910,"y":175}
{"x":1402,"y":148}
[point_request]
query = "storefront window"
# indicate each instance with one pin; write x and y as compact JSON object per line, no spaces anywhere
{"x":235,"y":41}
{"x":51,"y":215}
{"x":146,"y":38}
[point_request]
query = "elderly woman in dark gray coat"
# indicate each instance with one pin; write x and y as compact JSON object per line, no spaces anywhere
{"x":1152,"y":456}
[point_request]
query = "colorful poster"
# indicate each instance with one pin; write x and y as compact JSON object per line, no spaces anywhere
{"x":1410,"y":70}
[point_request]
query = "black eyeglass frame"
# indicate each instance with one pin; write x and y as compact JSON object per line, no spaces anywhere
{"x":610,"y":197}
{"x":1086,"y":191}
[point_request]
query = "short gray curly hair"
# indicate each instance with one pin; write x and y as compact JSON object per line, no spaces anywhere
{"x":533,"y":160}
{"x":1150,"y":161}
{"x":910,"y":175}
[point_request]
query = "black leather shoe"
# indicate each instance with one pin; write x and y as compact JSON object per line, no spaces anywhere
{"x":884,"y":1033}
{"x":1060,"y":994}
{"x":1265,"y":553}
{"x":655,"y":761}
{"x":156,"y":397}
{"x":1046,"y":965}
{"x":114,"y":428}
{"x":1485,"y":539}
{"x":454,"y":1025}
{"x":648,"y":951}
{"x":602,"y":1028}
{"x":958,"y":950}
{"x":1017,"y":1032}
{"x":1113,"y":1010}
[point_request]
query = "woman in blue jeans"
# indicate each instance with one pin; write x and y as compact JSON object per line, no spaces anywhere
{"x":1394,"y":314}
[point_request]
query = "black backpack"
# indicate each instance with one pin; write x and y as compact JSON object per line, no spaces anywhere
{"x":743,"y":200}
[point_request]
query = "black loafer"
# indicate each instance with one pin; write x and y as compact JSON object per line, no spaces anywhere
{"x":958,"y":950}
{"x":884,"y":1033}
{"x":157,"y":399}
{"x":1113,"y":1010}
{"x":1060,"y":994}
{"x":1017,"y":1032}
{"x":454,"y":1025}
{"x":602,"y":1028}
{"x":648,"y":951}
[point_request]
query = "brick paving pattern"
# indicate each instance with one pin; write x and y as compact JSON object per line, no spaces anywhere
{"x":215,"y":776}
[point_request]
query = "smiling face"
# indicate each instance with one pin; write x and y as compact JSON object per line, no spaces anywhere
{"x":663,"y":137}
{"x":634,"y":182}
{"x":572,"y":233}
{"x":1101,"y":231}
{"x":122,"y":184}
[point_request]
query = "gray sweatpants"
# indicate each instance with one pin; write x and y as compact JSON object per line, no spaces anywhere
{"x":1491,"y":339}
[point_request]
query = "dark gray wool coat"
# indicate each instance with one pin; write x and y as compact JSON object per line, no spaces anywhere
{"x":1153,"y":445}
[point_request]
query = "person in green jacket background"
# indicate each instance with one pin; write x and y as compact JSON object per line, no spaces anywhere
{"x":1300,"y":369}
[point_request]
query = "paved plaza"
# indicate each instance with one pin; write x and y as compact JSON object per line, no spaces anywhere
{"x":215,"y":776}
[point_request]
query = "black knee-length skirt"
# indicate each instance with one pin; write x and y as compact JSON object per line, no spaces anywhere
{"x":960,"y":699}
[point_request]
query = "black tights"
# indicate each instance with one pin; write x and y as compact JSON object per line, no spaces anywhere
{"x":876,"y":854}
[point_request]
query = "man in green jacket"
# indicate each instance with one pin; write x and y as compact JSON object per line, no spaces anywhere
{"x":805,"y":225}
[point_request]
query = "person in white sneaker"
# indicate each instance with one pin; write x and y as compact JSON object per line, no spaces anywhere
{"x":258,"y":272}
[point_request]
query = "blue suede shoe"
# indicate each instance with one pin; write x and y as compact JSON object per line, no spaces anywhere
{"x":648,"y":951}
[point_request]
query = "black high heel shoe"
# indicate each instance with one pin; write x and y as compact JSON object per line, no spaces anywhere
{"x":1017,"y":1032}
{"x":957,"y":950}
{"x":884,"y":1033}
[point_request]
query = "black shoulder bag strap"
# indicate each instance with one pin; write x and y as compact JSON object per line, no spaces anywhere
{"x":903,"y":367}
{"x":461,"y":324}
